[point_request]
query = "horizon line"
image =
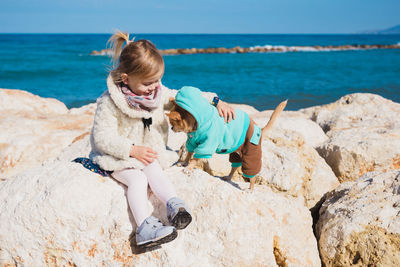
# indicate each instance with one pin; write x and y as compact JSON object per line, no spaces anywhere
{"x":204,"y":33}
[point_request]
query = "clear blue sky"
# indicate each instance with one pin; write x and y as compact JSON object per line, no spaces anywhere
{"x":201,"y":16}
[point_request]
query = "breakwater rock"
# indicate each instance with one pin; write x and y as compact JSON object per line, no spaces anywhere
{"x":34,"y":129}
{"x":359,"y":222}
{"x":261,"y":49}
{"x":364,"y":134}
{"x":291,"y":165}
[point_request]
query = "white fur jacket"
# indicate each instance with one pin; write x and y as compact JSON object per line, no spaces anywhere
{"x":117,"y":127}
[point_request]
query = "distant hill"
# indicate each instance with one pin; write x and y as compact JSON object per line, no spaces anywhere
{"x":392,"y":30}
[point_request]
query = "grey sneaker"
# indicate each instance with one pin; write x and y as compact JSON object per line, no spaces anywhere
{"x":152,"y":233}
{"x":178,"y":214}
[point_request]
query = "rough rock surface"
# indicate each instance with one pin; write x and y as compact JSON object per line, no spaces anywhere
{"x":62,"y":214}
{"x":34,"y":129}
{"x":246,"y":108}
{"x":364,"y":134}
{"x":359,"y":222}
{"x":292,"y":166}
{"x":294,"y":121}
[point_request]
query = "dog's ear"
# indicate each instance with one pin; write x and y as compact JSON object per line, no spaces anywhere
{"x":172,"y":101}
{"x":174,"y":115}
{"x":171,"y":104}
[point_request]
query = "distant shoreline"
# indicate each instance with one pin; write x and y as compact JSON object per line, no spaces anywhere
{"x":261,"y":49}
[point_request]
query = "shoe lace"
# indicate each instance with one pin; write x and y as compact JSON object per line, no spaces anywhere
{"x":156,"y":224}
{"x":174,"y":204}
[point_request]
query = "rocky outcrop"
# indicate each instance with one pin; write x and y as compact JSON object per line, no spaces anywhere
{"x":62,"y":214}
{"x":55,"y":212}
{"x":35,"y":129}
{"x":364,"y":134}
{"x":291,"y":165}
{"x":260,"y":49}
{"x":294,"y":168}
{"x":359,"y":222}
{"x":102,"y":52}
{"x":295,"y":121}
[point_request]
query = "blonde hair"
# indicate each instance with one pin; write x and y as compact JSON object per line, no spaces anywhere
{"x":139,"y":58}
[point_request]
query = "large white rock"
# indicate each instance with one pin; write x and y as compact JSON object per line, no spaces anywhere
{"x":364,"y":132}
{"x":356,"y":110}
{"x":34,"y":129}
{"x":355,"y":151}
{"x":293,"y":167}
{"x":246,"y":108}
{"x":62,"y":214}
{"x":23,"y":101}
{"x":295,"y":121}
{"x":290,"y":163}
{"x":359,"y":222}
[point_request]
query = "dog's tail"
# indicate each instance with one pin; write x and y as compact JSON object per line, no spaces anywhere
{"x":274,"y":115}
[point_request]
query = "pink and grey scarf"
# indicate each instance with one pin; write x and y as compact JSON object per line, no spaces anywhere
{"x":142,"y":102}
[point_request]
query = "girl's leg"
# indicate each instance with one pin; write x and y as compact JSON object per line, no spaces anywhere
{"x":177,"y":212}
{"x":159,"y":182}
{"x":136,"y":181}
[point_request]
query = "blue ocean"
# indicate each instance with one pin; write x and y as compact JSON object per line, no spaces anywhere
{"x":60,"y":66}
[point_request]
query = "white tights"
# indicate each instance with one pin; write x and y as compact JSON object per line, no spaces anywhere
{"x":137,"y":181}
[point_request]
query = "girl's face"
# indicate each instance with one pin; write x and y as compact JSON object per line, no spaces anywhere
{"x":142,"y":86}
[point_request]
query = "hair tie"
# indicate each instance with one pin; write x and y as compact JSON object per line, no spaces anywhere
{"x":130,"y":41}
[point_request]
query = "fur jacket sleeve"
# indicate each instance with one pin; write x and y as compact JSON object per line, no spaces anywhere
{"x":117,"y":127}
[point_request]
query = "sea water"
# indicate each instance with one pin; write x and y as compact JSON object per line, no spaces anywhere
{"x":60,"y":66}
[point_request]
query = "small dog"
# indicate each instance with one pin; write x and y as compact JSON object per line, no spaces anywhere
{"x":208,"y":134}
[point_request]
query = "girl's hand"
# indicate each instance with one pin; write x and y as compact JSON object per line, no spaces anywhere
{"x":226,"y":111}
{"x":144,"y":154}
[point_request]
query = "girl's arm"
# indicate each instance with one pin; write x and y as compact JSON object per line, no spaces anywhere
{"x":226,"y":111}
{"x":105,"y":131}
{"x":144,"y":154}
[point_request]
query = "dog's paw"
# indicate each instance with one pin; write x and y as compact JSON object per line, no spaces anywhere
{"x":248,"y":190}
{"x":182,"y":164}
{"x":187,"y":171}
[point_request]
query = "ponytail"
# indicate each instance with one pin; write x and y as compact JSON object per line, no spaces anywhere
{"x":116,"y":42}
{"x":140,"y":58}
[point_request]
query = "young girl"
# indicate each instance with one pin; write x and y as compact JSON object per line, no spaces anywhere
{"x":130,"y":132}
